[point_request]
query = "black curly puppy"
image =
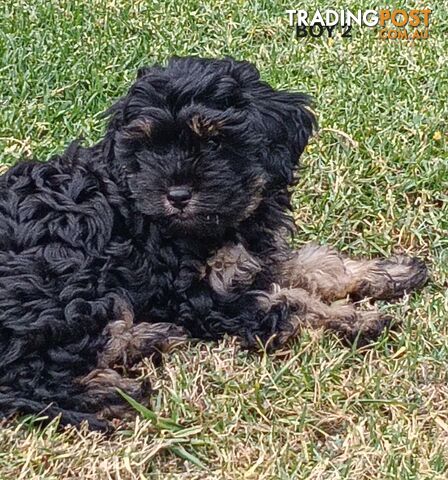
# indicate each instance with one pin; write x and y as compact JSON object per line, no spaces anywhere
{"x":173,"y":226}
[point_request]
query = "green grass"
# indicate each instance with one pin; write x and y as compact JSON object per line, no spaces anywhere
{"x":376,"y":181}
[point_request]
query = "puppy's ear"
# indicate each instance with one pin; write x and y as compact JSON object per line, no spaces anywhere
{"x":124,"y":116}
{"x":288,"y":123}
{"x":302,"y":121}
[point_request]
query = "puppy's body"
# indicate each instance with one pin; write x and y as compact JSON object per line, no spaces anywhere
{"x":174,"y":226}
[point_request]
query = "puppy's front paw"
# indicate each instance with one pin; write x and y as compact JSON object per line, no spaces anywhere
{"x":393,"y":277}
{"x":367,"y":327}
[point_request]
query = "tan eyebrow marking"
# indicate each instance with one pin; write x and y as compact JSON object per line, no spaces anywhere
{"x":139,"y":128}
{"x":204,"y":127}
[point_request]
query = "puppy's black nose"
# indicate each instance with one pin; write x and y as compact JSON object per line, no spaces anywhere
{"x":179,"y":196}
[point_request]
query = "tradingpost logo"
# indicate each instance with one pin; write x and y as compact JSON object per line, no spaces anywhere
{"x":388,"y":24}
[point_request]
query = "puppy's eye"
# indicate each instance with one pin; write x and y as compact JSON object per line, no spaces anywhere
{"x":214,"y":143}
{"x":132,"y":166}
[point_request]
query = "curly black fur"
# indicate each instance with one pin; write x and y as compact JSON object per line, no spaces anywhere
{"x":197,"y":156}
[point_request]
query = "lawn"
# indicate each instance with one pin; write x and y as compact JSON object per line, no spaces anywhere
{"x":375,"y":181}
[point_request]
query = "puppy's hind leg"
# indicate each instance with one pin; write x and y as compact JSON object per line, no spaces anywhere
{"x":326,"y":273}
{"x":76,"y":379}
{"x":127,"y":344}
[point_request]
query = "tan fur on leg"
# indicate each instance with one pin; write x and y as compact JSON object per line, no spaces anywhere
{"x":386,"y":278}
{"x":232,"y":265}
{"x":102,"y":380}
{"x":103,"y":383}
{"x":128,"y":343}
{"x":324,"y":272}
{"x":308,"y":311}
{"x":318,"y":269}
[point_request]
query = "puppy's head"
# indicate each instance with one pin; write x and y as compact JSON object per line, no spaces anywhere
{"x":203,"y":142}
